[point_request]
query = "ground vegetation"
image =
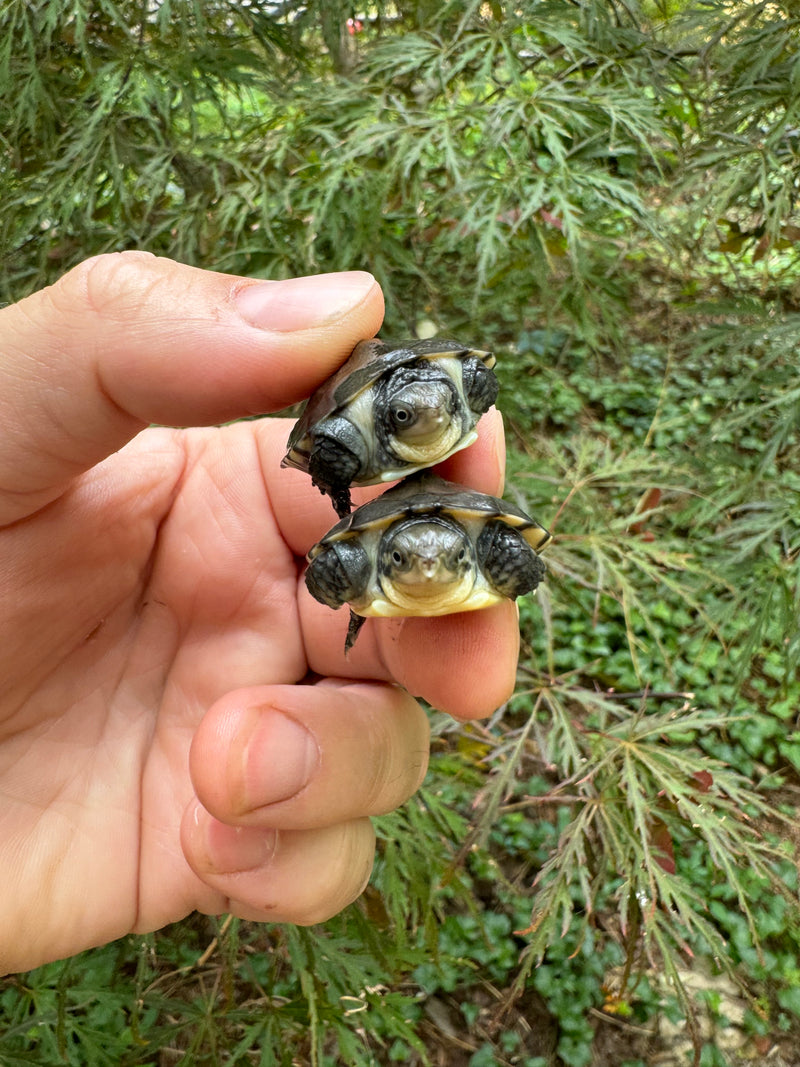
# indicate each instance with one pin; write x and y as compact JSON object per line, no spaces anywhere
{"x":605,"y":192}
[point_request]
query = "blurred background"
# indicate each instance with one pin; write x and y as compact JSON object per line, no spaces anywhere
{"x":604,"y":192}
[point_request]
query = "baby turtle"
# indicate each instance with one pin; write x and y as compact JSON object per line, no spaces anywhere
{"x":426,"y":547}
{"x":393,"y":408}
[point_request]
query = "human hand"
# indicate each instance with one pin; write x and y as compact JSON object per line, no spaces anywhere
{"x":179,"y":728}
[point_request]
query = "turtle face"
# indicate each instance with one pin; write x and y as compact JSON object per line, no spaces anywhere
{"x":419,"y":416}
{"x":426,"y":565}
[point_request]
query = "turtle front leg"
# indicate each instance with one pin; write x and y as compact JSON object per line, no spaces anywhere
{"x":336,"y":459}
{"x":480,"y":385}
{"x":512,"y":566}
{"x":340,"y":573}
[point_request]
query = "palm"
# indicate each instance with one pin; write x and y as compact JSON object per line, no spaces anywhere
{"x":176,"y":590}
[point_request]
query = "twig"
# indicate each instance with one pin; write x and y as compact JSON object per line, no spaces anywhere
{"x":622,"y":1023}
{"x":212,"y":947}
{"x":647,"y":694}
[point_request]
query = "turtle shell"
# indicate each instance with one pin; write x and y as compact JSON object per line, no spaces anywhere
{"x":426,"y":494}
{"x":368,"y":362}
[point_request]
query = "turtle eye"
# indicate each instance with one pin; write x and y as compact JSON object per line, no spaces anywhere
{"x":459,"y":557}
{"x":403,"y":414}
{"x":397,"y":558}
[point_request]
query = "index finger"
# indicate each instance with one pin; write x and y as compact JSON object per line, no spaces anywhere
{"x":463,"y":664}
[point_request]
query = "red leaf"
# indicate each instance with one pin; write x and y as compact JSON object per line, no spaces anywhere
{"x":650,"y":499}
{"x":762,"y":248}
{"x":550,"y":218}
{"x":704,"y":780}
{"x":662,"y":840}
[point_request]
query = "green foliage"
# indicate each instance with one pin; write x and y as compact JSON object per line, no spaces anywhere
{"x":484,"y":161}
{"x":281,"y":993}
{"x":607,"y":189}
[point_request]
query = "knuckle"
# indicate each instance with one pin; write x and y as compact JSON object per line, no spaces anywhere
{"x":398,"y":755}
{"x":343,"y":873}
{"x":112,"y":284}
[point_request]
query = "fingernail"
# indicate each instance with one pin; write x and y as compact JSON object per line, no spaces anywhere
{"x":231,"y":849}
{"x":301,"y":303}
{"x":279,"y":759}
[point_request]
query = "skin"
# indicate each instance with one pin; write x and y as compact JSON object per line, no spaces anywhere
{"x":179,"y":728}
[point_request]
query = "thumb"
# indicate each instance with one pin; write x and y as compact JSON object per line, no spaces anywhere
{"x":125,"y":340}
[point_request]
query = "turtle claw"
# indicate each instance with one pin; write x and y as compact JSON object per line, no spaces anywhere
{"x":340,"y":497}
{"x":341,"y":500}
{"x":356,"y":622}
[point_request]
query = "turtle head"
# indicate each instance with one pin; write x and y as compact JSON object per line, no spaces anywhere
{"x":418,"y":412}
{"x":420,"y":419}
{"x":426,"y":563}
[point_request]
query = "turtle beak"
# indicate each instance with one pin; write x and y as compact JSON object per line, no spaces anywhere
{"x":429,"y":423}
{"x":432,"y":408}
{"x":428,"y":568}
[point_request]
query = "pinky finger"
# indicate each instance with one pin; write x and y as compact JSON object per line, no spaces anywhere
{"x":293,"y":876}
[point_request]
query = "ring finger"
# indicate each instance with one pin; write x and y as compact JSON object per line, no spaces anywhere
{"x":285,"y":778}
